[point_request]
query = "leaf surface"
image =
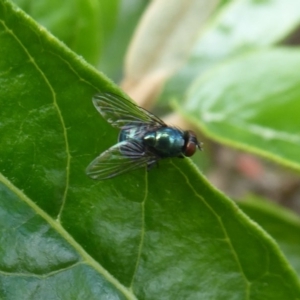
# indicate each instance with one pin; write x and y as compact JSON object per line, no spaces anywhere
{"x":85,"y":26}
{"x":166,"y":234}
{"x":281,"y":223}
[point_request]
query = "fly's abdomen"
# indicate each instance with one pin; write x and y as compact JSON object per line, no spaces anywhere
{"x":165,"y":141}
{"x":135,"y":133}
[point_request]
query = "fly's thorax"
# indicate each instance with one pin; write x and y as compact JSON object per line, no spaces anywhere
{"x":150,"y":139}
{"x":165,"y":141}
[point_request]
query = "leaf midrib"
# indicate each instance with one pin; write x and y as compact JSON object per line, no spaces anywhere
{"x":56,"y":225}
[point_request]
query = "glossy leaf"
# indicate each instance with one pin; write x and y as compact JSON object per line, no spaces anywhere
{"x":166,"y":234}
{"x":85,"y":26}
{"x":281,"y":223}
{"x":252,"y":103}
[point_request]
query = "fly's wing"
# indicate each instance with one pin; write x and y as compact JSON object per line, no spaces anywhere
{"x":121,"y":113}
{"x":120,"y":158}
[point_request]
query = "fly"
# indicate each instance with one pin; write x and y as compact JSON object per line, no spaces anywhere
{"x":144,"y":138}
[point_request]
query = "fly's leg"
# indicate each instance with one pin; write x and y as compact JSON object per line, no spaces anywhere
{"x":151,"y":165}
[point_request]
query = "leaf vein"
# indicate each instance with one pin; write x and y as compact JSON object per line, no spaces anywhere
{"x":142,"y":238}
{"x":64,"y":234}
{"x":226,"y":235}
{"x":59,"y":113}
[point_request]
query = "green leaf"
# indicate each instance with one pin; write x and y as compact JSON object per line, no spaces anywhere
{"x":282,"y":224}
{"x":40,"y":258}
{"x":166,"y":234}
{"x":252,"y":103}
{"x":237,"y":28}
{"x":97,"y":30}
{"x":83,"y":25}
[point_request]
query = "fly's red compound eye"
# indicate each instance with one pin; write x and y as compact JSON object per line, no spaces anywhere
{"x":190,"y":148}
{"x":191,"y":143}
